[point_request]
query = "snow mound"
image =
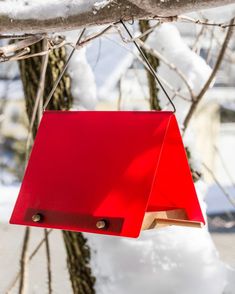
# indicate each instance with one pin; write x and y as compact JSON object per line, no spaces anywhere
{"x":167,"y":261}
{"x":83,"y":81}
{"x":167,"y":40}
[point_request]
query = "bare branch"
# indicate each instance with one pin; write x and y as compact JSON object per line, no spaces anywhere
{"x":48,"y":256}
{"x":24,"y":261}
{"x":176,"y":7}
{"x":174,"y":91}
{"x":11,"y":49}
{"x":198,"y":37}
{"x":212,"y":76}
{"x":39,"y":98}
{"x":226,"y":194}
{"x":90,"y":38}
{"x":205,"y":22}
{"x":170,"y":65}
{"x":224,"y":166}
{"x":24,"y":256}
{"x":34,"y":252}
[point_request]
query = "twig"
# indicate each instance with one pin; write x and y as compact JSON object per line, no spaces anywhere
{"x":229,"y":52}
{"x":34,"y":252}
{"x":16,"y":37}
{"x":14,"y":47}
{"x":224,"y":166}
{"x":39,"y":98}
{"x":226,"y":194}
{"x":151,"y":69}
{"x":41,"y":87}
{"x":175,"y":92}
{"x":211,"y":78}
{"x":55,"y":46}
{"x":40,"y":94}
{"x":24,"y":261}
{"x":159,"y":56}
{"x":63,"y":70}
{"x":95,"y":36}
{"x":140,"y":36}
{"x":170,"y":65}
{"x":119,"y":101}
{"x":42,"y":53}
{"x":48,"y":256}
{"x":208,"y":57}
{"x":205,"y":22}
{"x":199,"y":35}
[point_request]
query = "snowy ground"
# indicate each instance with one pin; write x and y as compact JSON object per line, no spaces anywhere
{"x":10,"y":246}
{"x":194,"y":269}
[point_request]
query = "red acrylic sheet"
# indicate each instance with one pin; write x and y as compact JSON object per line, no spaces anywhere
{"x":112,"y":166}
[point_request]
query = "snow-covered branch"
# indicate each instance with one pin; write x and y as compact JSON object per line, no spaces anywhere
{"x":174,"y":7}
{"x":35,"y":16}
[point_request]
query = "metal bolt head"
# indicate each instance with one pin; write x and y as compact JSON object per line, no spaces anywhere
{"x":37,"y":218}
{"x":101,"y":224}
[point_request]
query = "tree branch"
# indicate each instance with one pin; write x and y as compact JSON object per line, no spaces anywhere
{"x":48,"y":256}
{"x":178,"y":7}
{"x":24,"y":261}
{"x":211,"y":77}
{"x":158,"y":55}
{"x":35,"y":251}
{"x":34,"y":18}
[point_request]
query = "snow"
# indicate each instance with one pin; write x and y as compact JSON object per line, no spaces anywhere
{"x":172,"y":260}
{"x":83,"y":86}
{"x":167,"y":40}
{"x":167,"y":261}
{"x":43,"y":9}
{"x":134,"y":97}
{"x":102,"y":4}
{"x":8,"y":196}
{"x":109,"y":61}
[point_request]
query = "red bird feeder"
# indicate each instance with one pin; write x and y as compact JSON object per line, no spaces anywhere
{"x":113,"y":173}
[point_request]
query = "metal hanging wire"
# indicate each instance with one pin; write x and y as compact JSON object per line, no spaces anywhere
{"x":151,"y":69}
{"x":63,"y":71}
{"x":138,"y":48}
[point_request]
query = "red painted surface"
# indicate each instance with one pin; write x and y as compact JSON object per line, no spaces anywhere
{"x":87,"y":166}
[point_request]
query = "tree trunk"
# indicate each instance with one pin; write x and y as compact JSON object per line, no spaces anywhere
{"x":153,"y":90}
{"x":78,"y":253}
